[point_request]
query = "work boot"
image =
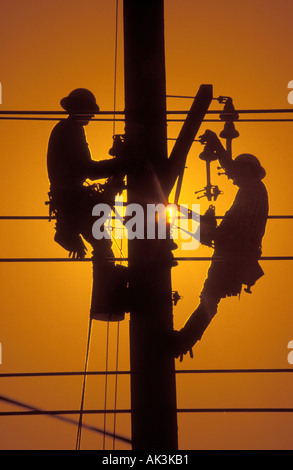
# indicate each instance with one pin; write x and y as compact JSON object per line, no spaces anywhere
{"x":182,"y":344}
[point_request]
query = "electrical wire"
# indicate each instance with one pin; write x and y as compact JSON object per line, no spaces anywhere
{"x":239,"y":120}
{"x":28,"y":407}
{"x":23,"y":115}
{"x":59,"y":374}
{"x":56,"y":119}
{"x":62,"y":412}
{"x":48,"y":218}
{"x":112,"y":112}
{"x":122,"y":120}
{"x":128,"y":372}
{"x":235,"y":410}
{"x":128,"y":411}
{"x":183,"y":258}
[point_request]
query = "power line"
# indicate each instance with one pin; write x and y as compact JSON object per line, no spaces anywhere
{"x":62,"y":418}
{"x":23,"y":115}
{"x":46,"y":217}
{"x":234,"y":371}
{"x":27,"y":217}
{"x":57,"y":113}
{"x":127,"y":372}
{"x":49,"y":260}
{"x":62,"y":374}
{"x":235,"y":410}
{"x":55,"y":119}
{"x":113,"y":112}
{"x":61,"y":412}
{"x":184,"y":258}
{"x":17,"y":118}
{"x":128,"y":411}
{"x":180,"y":96}
{"x":208,"y":258}
{"x":239,"y":120}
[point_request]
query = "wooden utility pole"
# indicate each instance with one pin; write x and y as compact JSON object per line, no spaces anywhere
{"x":150,"y":179}
{"x":153,"y":387}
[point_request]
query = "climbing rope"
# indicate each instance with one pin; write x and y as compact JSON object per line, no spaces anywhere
{"x":116,"y":386}
{"x":79,"y":428}
{"x":106,"y":386}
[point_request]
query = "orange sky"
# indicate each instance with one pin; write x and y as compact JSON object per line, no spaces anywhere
{"x":47,"y":49}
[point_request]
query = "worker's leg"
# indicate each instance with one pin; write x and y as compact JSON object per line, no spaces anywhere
{"x":110,"y":299}
{"x":196,"y":325}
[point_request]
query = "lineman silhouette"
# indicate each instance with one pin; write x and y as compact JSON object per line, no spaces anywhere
{"x":236,"y":241}
{"x":70,"y":165}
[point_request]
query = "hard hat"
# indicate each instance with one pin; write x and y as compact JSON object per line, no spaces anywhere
{"x":80,"y":100}
{"x":246,"y":160}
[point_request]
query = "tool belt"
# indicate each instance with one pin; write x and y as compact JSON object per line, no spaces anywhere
{"x":66,"y":199}
{"x":70,"y":205}
{"x":208,"y":226}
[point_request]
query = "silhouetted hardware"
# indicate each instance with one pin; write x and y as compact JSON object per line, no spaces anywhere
{"x":229,"y":116}
{"x":193,"y":121}
{"x":118,"y":148}
{"x":207,"y":226}
{"x":210,"y":191}
{"x":229,"y":132}
{"x":176,"y":297}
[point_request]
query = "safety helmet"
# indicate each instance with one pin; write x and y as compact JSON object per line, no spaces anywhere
{"x":246,"y":161}
{"x":80,"y":100}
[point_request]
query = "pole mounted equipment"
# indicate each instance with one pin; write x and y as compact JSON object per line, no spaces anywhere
{"x":153,"y":382}
{"x":210,"y":191}
{"x":228,"y":116}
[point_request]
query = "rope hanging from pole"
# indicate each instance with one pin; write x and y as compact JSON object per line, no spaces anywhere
{"x":79,"y":429}
{"x":78,"y":439}
{"x":106,"y":386}
{"x":116,"y":386}
{"x":115,"y":241}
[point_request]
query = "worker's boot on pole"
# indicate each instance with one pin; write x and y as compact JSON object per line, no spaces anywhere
{"x":194,"y":328}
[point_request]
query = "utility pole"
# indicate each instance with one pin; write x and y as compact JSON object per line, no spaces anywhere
{"x":153,"y":386}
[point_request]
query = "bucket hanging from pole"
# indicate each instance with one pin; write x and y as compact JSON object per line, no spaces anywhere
{"x":109,"y":291}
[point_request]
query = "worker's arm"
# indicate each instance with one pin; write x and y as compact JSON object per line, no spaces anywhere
{"x":83,"y":166}
{"x":102,"y":169}
{"x":88,"y":168}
